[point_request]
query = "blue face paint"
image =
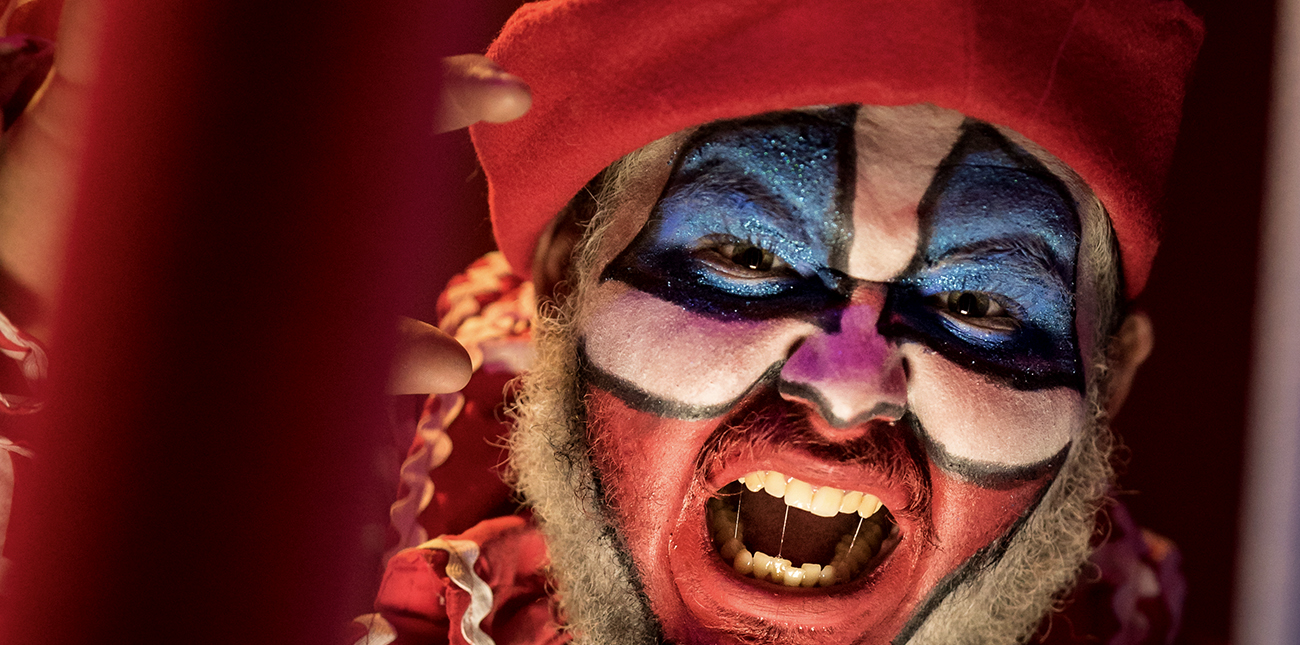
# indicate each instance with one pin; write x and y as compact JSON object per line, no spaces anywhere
{"x":995,"y":221}
{"x":781,"y":183}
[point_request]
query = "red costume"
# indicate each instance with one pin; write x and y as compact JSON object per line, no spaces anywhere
{"x":1097,"y":84}
{"x":1135,"y":598}
{"x":1100,"y":86}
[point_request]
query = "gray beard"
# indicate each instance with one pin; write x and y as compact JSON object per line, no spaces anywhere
{"x":598,"y":589}
{"x":1001,"y":596}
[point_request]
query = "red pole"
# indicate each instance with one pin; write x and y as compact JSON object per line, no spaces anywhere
{"x":257,"y":191}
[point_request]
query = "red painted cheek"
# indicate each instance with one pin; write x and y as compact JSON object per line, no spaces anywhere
{"x":965,"y":518}
{"x":646,"y":464}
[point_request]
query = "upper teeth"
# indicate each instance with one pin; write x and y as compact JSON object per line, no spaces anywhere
{"x":824,"y":501}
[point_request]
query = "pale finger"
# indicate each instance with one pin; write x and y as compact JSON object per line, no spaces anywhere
{"x":427,"y":361}
{"x":475,"y":89}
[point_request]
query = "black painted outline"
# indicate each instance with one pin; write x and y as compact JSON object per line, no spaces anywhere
{"x":611,"y":531}
{"x":642,"y":401}
{"x":895,"y":321}
{"x":987,"y":556}
{"x":818,"y":296}
{"x":808,"y":393}
{"x":987,"y":474}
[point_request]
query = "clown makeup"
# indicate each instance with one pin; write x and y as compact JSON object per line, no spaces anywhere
{"x":838,"y":362}
{"x":740,"y":278}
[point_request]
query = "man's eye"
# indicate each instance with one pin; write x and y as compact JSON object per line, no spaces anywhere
{"x":975,"y":308}
{"x":743,"y":260}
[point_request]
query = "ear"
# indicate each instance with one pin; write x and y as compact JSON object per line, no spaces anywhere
{"x":554,"y":254}
{"x":555,"y":246}
{"x":1128,"y":349}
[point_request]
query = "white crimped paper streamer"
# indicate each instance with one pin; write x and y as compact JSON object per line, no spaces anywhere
{"x":31,"y":359}
{"x":461,"y":556}
{"x":404,"y":513}
{"x":495,"y":335}
{"x":7,"y":450}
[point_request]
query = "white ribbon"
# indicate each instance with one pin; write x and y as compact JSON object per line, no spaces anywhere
{"x":378,"y":630}
{"x":404,"y":514}
{"x":461,"y":556}
{"x":7,"y":491}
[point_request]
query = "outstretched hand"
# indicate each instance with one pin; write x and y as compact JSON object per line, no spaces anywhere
{"x":45,"y":146}
{"x":39,"y":166}
{"x":474,"y":89}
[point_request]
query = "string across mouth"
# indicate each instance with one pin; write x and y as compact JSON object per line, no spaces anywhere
{"x":785,"y":531}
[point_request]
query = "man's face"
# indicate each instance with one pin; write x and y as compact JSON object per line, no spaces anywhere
{"x":830,"y":362}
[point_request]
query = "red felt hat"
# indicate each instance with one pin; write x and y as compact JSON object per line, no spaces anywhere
{"x":1098,"y":83}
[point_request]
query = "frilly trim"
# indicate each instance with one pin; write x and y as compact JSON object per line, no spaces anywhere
{"x":34,"y":363}
{"x":489,"y":310}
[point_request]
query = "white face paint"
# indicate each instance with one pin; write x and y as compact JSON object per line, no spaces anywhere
{"x":858,"y":322}
{"x":865,"y":264}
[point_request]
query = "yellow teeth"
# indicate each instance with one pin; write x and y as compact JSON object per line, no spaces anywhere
{"x":850,"y":502}
{"x":869,"y":505}
{"x":743,"y":563}
{"x":852,"y":554}
{"x":799,"y":494}
{"x":825,"y":501}
{"x":780,"y":571}
{"x":773,"y":483}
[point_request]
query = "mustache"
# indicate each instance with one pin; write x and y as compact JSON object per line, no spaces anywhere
{"x":766,"y":418}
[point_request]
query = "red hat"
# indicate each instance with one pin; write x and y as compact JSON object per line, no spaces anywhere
{"x":1098,"y":83}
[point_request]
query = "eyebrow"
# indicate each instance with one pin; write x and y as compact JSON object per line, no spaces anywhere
{"x":725,"y":177}
{"x":1026,"y":249}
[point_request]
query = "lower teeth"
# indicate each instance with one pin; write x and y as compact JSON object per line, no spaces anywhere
{"x":854,"y":550}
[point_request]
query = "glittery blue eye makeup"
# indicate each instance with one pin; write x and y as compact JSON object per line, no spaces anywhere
{"x":996,"y":223}
{"x":754,"y":221}
{"x":1028,"y":294}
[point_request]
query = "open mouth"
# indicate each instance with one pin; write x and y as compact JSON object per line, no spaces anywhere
{"x":785,"y":531}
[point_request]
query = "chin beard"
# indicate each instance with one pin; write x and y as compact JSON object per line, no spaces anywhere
{"x":1000,"y":597}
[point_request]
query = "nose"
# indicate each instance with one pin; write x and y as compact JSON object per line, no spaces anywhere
{"x":852,"y":374}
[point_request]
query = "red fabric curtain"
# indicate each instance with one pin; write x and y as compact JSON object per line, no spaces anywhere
{"x":259,"y":196}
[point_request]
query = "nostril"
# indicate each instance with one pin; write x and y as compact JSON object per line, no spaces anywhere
{"x":885,"y":411}
{"x":851,"y":377}
{"x":837,"y":414}
{"x":802,"y":393}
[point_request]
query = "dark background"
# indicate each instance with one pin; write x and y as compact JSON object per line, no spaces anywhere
{"x":1183,"y":425}
{"x":1185,"y":420}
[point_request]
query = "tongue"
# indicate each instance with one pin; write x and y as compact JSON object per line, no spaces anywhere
{"x":808,"y":538}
